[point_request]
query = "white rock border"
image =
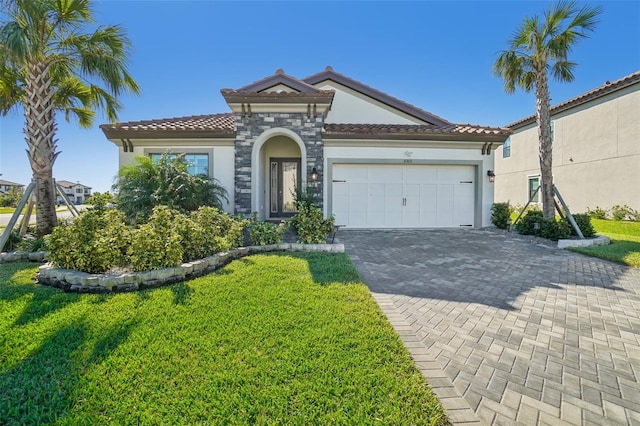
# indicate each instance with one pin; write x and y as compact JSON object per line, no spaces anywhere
{"x":83,"y":282}
{"x":22,"y":256}
{"x":600,"y":240}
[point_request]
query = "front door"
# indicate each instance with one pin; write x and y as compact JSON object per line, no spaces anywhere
{"x":284,"y":178}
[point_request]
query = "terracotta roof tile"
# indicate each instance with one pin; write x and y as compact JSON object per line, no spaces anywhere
{"x":411,"y":129}
{"x":224,"y":123}
{"x":281,"y":97}
{"x":598,"y":92}
{"x":279,"y":78}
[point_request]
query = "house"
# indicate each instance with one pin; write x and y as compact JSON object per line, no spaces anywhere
{"x":6,"y":186}
{"x":76,"y":192}
{"x":596,"y":150}
{"x":374,"y":160}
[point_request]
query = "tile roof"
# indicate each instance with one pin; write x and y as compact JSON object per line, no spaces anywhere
{"x":411,"y":129}
{"x":330,"y":74}
{"x":9,"y":183}
{"x":210,"y":123}
{"x":69,"y":184}
{"x":278,"y":78}
{"x":274,"y":97}
{"x":598,"y":92}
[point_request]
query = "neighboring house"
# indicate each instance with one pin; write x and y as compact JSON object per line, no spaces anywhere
{"x":596,"y":150}
{"x":6,"y":186}
{"x":76,"y":192}
{"x":375,"y":161}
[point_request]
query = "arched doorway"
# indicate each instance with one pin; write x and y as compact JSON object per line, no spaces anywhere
{"x":278,"y":170}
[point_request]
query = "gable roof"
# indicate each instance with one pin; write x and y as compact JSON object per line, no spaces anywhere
{"x":598,"y":92}
{"x":200,"y":125}
{"x":330,"y":74}
{"x":9,"y":183}
{"x":278,"y":78}
{"x":68,"y":184}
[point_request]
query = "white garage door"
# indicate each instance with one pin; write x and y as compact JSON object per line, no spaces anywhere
{"x":403,"y":196}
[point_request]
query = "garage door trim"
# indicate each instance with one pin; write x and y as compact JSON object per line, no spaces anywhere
{"x":477,"y":184}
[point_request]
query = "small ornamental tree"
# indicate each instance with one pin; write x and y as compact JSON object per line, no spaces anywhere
{"x":146,"y":184}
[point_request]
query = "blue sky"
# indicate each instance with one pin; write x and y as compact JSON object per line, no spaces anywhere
{"x":435,"y":55}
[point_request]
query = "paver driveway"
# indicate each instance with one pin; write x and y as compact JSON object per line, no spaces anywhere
{"x":508,"y":331}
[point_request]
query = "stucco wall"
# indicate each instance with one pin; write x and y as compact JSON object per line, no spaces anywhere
{"x":596,"y":155}
{"x":222,"y":162}
{"x":350,"y":106}
{"x":421,"y":155}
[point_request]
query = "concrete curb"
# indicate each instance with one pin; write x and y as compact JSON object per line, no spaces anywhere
{"x":83,"y":282}
{"x":600,"y":240}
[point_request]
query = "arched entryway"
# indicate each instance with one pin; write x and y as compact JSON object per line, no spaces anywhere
{"x":278,"y":169}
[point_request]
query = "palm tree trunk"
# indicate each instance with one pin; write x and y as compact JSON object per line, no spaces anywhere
{"x":543,"y":118}
{"x":40,"y":135}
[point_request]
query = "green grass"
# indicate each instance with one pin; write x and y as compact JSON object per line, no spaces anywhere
{"x":269,"y":339}
{"x":625,"y":242}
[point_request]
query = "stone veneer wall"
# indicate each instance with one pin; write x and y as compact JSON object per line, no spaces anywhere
{"x":249,"y":128}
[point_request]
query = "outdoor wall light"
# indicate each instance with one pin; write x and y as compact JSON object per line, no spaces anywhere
{"x":314,"y":174}
{"x":492,"y":175}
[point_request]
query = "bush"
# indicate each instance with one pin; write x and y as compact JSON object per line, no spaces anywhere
{"x":94,"y":242}
{"x":583,"y":220}
{"x":310,"y":225}
{"x":597,"y":213}
{"x":12,"y":242}
{"x":525,"y":225}
{"x":31,"y":243}
{"x":262,"y":233}
{"x":620,"y":212}
{"x":555,"y":230}
{"x":157,"y":243}
{"x":141,"y":187}
{"x":500,"y":215}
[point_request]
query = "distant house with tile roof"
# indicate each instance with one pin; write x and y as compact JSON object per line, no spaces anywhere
{"x":596,"y":150}
{"x":6,"y":186}
{"x":75,"y":191}
{"x":375,"y":161}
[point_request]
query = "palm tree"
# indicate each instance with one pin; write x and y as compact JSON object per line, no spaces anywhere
{"x":538,"y":48}
{"x":48,"y":64}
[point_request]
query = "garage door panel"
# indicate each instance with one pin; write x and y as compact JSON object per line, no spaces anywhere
{"x":392,"y":196}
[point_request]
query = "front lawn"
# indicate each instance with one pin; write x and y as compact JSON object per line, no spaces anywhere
{"x":625,"y":242}
{"x":269,"y":339}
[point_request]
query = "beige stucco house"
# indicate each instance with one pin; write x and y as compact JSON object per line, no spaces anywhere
{"x":374,"y":160}
{"x":596,"y":150}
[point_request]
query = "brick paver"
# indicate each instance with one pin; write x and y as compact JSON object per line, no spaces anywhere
{"x":511,"y":332}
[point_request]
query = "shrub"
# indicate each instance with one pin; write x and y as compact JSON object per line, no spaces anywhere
{"x":224,"y":231}
{"x":156,"y":244}
{"x":634,"y":215}
{"x":94,"y":242}
{"x":554,"y":230}
{"x":500,"y":215}
{"x":101,"y":200}
{"x":525,"y":225}
{"x":583,"y":220}
{"x":12,"y":242}
{"x":597,"y":213}
{"x":262,"y":233}
{"x":620,"y":212}
{"x":310,"y":225}
{"x":31,"y":243}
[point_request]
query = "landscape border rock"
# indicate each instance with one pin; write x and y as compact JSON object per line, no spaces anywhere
{"x":83,"y":282}
{"x":22,"y":256}
{"x":600,"y":240}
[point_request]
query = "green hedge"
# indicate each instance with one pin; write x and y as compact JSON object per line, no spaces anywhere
{"x":100,"y":240}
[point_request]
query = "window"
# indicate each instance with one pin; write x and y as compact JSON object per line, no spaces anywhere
{"x":197,"y":164}
{"x":79,"y":191}
{"x":534,"y":182}
{"x":506,"y":148}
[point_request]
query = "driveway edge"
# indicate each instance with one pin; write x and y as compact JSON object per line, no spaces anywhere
{"x":456,"y":407}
